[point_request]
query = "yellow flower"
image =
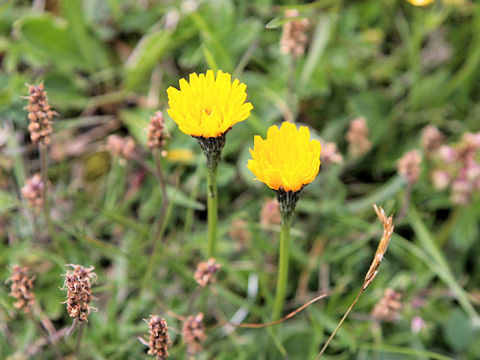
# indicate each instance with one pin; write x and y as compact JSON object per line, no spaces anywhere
{"x":420,"y":2}
{"x":208,"y":107}
{"x":287,"y":159}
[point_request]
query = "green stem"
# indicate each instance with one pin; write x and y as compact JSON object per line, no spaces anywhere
{"x":163,"y":187}
{"x":282,"y":268}
{"x":46,"y":206}
{"x":157,"y":243}
{"x":212,"y":204}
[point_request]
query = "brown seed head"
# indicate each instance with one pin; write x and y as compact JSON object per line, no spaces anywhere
{"x":409,"y":166}
{"x":122,"y":147}
{"x":294,"y":38}
{"x":157,"y":134}
{"x":387,"y":223}
{"x":40,"y":115}
{"x":270,"y":213}
{"x":79,"y":291}
{"x":193,"y":333}
{"x":357,"y":137}
{"x":206,"y":272}
{"x":159,"y":340}
{"x":32,"y":191}
{"x":389,"y":306}
{"x":21,"y":289}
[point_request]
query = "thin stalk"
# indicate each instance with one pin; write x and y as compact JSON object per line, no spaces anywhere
{"x":46,"y":205}
{"x":157,"y":243}
{"x":406,"y":203}
{"x":72,"y":328}
{"x":212,"y":204}
{"x":339,"y":324}
{"x":46,"y":336}
{"x":282,"y":268}
{"x":79,"y":339}
{"x":163,"y":187}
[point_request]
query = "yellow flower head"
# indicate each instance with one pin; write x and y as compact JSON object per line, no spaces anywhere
{"x":286,"y":159}
{"x":420,"y":2}
{"x":208,"y":107}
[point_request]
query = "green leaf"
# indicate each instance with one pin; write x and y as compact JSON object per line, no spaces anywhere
{"x":441,"y":267}
{"x":459,"y":331}
{"x":63,"y":92}
{"x":376,"y":110}
{"x":90,"y":49}
{"x":466,"y":228}
{"x":385,"y":192}
{"x":210,"y":59}
{"x":424,"y":94}
{"x":7,"y":202}
{"x":137,"y":124}
{"x":149,"y":51}
{"x":181,"y":199}
{"x":49,"y":39}
{"x":403,"y":350}
{"x":317,"y":48}
{"x":279,"y":21}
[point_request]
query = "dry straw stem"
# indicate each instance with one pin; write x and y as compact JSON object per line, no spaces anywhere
{"x":276,"y":322}
{"x":387,"y":223}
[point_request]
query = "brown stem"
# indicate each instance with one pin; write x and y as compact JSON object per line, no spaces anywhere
{"x":46,"y":336}
{"x":290,"y":315}
{"x":339,"y":324}
{"x":79,"y":339}
{"x":276,"y":322}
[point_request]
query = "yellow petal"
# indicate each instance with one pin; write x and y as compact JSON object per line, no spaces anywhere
{"x":207,"y":106}
{"x":286,"y":159}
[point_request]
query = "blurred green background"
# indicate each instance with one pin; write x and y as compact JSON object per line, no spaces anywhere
{"x":106,"y":66}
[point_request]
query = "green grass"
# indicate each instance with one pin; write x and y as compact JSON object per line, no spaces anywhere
{"x":106,"y":66}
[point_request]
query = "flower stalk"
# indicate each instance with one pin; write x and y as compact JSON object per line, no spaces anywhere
{"x":206,"y":107}
{"x":46,"y":206}
{"x":288,"y":201}
{"x":78,"y":342}
{"x":212,"y":148}
{"x":286,"y":161}
{"x":212,"y":204}
{"x":282,"y":278}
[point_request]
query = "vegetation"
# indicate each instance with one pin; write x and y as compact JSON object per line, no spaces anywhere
{"x":366,"y":77}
